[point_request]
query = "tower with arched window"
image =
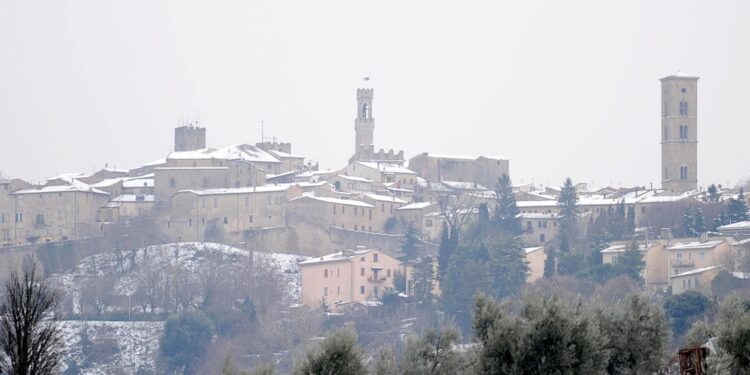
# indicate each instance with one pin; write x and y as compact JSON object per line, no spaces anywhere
{"x":679,"y":133}
{"x":364,"y":125}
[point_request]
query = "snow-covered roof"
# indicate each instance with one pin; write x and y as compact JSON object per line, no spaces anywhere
{"x":679,"y":75}
{"x":187,"y":168}
{"x":354,"y":178}
{"x":245,"y":152}
{"x":696,"y":271}
{"x":107,"y":182}
{"x":387,"y":168}
{"x":621,"y":248}
{"x":735,"y":226}
{"x":695,"y":245}
{"x":416,"y":206}
{"x":743,"y":242}
{"x":383,"y":198}
{"x":463,"y":157}
{"x":348,"y":202}
{"x":335,"y":257}
{"x":284,"y":155}
{"x":146,"y":180}
{"x":74,"y":186}
{"x":133,"y":198}
{"x":241,"y":190}
{"x":530,"y":250}
{"x":463,"y":185}
{"x":541,"y":215}
{"x":68,"y":177}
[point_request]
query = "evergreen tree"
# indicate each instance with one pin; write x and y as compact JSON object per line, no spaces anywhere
{"x":448,"y":245}
{"x":688,"y":223}
{"x":506,"y":211}
{"x":631,"y":220}
{"x":713,"y":194}
{"x":410,"y":247}
{"x":423,"y":282}
{"x":699,"y":225}
{"x":337,"y":355}
{"x":185,"y":339}
{"x":630,"y":263}
{"x":433,"y":353}
{"x":568,"y":210}
{"x":737,"y":209}
{"x":719,"y":220}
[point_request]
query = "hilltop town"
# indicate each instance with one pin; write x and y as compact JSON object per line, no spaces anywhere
{"x":382,"y":226}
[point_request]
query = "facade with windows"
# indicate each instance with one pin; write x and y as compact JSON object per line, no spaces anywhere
{"x":344,"y":278}
{"x":679,"y":141}
{"x":691,"y":255}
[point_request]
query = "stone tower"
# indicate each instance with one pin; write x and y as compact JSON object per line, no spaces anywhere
{"x":364,"y":125}
{"x":679,"y":133}
{"x":189,"y":137}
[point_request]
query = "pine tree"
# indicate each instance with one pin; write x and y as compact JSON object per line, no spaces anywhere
{"x":411,"y":245}
{"x":568,"y":213}
{"x":737,"y":209}
{"x":699,"y":225}
{"x":713,"y":194}
{"x":631,"y":220}
{"x":448,"y":245}
{"x":719,"y":220}
{"x":506,"y":211}
{"x":688,"y":223}
{"x":424,"y":276}
{"x":630,"y":262}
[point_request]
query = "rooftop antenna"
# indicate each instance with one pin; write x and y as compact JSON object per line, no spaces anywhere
{"x":262,"y":134}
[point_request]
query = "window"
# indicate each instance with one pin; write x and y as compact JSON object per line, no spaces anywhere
{"x":375,"y":257}
{"x":226,"y":220}
{"x":702,"y":255}
{"x":59,"y":214}
{"x":216,"y":202}
{"x":528,"y":225}
{"x":190,"y":223}
{"x":203,"y":221}
{"x":361,"y":289}
{"x":370,"y":213}
{"x":338,"y":272}
{"x":169,"y":224}
{"x":325,"y":272}
{"x":2,"y":218}
{"x":334,"y":209}
{"x":683,"y":132}
{"x":382,"y":207}
{"x":683,"y":108}
{"x":683,"y":172}
{"x":428,"y":223}
{"x":388,"y":273}
{"x":362,"y":259}
{"x":19,"y":217}
{"x":355,"y":227}
{"x":251,"y":218}
{"x":643,"y":209}
{"x":375,"y":291}
{"x":541,"y":238}
{"x":362,"y":271}
{"x":172,"y":182}
{"x":268,"y":200}
{"x":338,"y":290}
{"x":204,"y":182}
{"x":247,"y":201}
{"x":325,"y":291}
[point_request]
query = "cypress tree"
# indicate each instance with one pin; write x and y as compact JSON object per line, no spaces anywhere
{"x":506,"y":211}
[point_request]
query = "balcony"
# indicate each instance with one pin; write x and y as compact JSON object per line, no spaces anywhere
{"x":376,"y":279}
{"x":683,"y":263}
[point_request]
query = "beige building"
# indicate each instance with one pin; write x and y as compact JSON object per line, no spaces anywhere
{"x":679,"y":133}
{"x":690,"y":255}
{"x":347,"y":277}
{"x":390,"y":175}
{"x":535,"y":256}
{"x":353,"y":184}
{"x":539,"y":228}
{"x":334,"y":212}
{"x":126,"y":207}
{"x":223,"y":215}
{"x":8,"y":208}
{"x":414,"y":213}
{"x":482,"y":170}
{"x":54,"y":213}
{"x":698,"y":279}
{"x":656,"y":257}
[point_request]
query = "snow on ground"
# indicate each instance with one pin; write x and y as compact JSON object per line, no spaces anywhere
{"x":192,"y":257}
{"x":122,"y":347}
{"x":103,"y":347}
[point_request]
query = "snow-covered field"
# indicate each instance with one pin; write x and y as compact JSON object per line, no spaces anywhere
{"x":113,"y":347}
{"x":101,"y":347}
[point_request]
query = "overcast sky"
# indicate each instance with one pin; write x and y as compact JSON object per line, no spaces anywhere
{"x":559,"y":87}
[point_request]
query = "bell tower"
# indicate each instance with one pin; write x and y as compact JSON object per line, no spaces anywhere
{"x":364,"y":125}
{"x":679,"y":133}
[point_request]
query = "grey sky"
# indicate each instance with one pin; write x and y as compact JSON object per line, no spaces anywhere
{"x":559,"y":88}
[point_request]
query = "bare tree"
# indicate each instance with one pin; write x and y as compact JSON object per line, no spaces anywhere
{"x":456,"y":207}
{"x":30,"y":333}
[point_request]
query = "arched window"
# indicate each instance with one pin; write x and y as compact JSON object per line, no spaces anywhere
{"x":365,"y":111}
{"x":683,"y":108}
